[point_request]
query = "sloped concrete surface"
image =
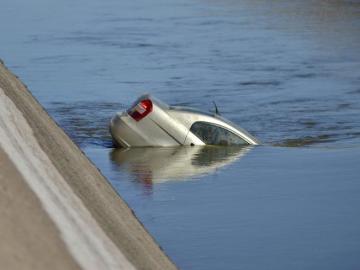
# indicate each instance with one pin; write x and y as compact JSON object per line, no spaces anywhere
{"x":56,"y":206}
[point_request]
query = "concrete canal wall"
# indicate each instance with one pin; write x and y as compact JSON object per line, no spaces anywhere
{"x":57,"y":210}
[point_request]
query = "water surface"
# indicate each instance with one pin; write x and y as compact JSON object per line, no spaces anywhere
{"x":287,"y":71}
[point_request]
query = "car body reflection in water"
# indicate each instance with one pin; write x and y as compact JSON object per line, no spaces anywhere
{"x":157,"y":165}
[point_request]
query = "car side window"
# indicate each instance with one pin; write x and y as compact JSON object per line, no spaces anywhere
{"x":215,"y":135}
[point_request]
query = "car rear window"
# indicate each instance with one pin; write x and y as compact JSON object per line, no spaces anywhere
{"x":215,"y":135}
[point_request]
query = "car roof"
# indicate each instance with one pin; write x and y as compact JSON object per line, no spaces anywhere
{"x":206,"y":116}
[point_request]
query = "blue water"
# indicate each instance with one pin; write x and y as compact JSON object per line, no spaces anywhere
{"x":273,"y":208}
{"x":287,"y":71}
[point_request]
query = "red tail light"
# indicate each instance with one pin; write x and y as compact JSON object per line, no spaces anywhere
{"x":140,"y":110}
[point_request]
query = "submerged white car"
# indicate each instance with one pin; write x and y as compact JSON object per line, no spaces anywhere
{"x":150,"y":122}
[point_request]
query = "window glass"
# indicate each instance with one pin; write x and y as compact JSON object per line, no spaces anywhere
{"x":215,"y":135}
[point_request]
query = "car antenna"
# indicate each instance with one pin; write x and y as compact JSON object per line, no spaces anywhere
{"x":216,"y":109}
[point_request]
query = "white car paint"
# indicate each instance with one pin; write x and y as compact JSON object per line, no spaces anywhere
{"x":150,"y":122}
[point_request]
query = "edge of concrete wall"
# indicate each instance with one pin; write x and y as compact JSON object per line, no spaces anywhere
{"x":110,"y":213}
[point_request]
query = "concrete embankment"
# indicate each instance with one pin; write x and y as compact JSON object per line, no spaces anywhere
{"x":57,"y":210}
